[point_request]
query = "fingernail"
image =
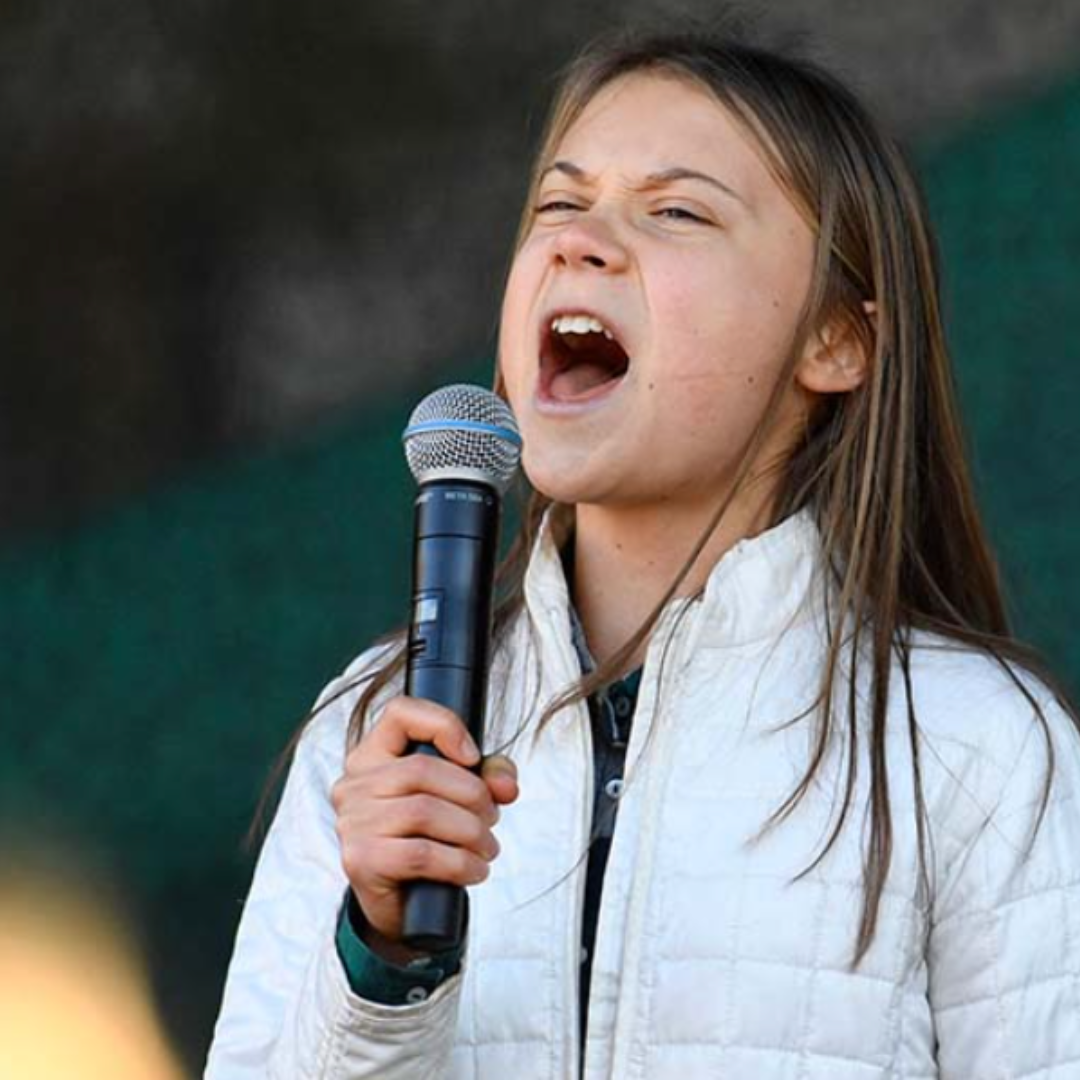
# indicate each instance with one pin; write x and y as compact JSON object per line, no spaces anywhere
{"x":504,"y":767}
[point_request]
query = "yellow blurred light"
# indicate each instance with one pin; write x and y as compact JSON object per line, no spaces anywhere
{"x":75,"y":1002}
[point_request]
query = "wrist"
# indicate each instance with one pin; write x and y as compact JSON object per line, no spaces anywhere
{"x":393,"y":952}
{"x":396,"y":976}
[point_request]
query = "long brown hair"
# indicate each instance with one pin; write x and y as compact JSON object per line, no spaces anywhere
{"x":882,"y":469}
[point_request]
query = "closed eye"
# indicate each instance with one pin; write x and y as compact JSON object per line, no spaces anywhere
{"x":680,"y":213}
{"x":557,"y":206}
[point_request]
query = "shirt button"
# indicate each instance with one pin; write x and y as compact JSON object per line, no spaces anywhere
{"x":623,"y":708}
{"x":584,"y":954}
{"x":613,"y":788}
{"x":415,"y":995}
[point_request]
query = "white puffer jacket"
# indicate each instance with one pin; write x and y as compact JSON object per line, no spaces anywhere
{"x":710,"y":960}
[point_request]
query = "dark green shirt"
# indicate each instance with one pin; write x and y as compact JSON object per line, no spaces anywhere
{"x":375,"y":979}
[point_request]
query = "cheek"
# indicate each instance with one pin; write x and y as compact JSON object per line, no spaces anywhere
{"x":512,"y":300}
{"x":513,"y":323}
{"x":726,"y":353}
{"x":526,"y":269}
{"x":737,"y":328}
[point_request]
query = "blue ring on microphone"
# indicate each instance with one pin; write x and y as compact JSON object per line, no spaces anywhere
{"x":505,"y":433}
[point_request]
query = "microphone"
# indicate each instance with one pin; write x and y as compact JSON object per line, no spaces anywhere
{"x":463,"y":448}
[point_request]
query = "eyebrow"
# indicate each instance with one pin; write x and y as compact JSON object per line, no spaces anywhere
{"x":653,"y":180}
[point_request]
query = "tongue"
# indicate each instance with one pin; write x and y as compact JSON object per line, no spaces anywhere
{"x":580,"y":379}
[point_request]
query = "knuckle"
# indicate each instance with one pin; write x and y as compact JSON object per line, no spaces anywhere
{"x":342,"y":830}
{"x":353,"y":830}
{"x":481,"y":800}
{"x":475,"y":870}
{"x":384,"y":778}
{"x":421,"y":812}
{"x":419,"y":857}
{"x":416,"y":770}
{"x":393,"y":708}
{"x":356,"y":760}
{"x":479,"y":838}
{"x":354,"y":861}
{"x":338,"y":794}
{"x":406,"y":712}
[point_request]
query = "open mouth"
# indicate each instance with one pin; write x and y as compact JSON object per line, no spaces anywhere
{"x":580,"y":359}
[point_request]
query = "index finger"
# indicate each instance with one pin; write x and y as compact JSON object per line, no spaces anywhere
{"x":407,"y":720}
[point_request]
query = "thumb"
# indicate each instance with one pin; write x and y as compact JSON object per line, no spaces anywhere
{"x":500,"y":775}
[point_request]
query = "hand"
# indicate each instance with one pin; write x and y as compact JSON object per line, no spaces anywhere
{"x":403,"y":817}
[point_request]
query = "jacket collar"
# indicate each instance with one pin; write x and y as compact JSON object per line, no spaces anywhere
{"x":764,"y":584}
{"x":759,"y":588}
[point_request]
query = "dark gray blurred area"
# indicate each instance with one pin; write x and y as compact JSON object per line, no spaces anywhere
{"x":221,"y":223}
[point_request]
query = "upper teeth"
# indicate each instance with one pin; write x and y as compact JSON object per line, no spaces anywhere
{"x":580,"y":324}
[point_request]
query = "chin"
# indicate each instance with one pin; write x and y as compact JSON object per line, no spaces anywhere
{"x":563,"y":478}
{"x":566,"y":492}
{"x":557,"y":490}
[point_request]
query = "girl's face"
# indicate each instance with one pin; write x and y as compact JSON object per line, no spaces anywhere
{"x":659,"y":227}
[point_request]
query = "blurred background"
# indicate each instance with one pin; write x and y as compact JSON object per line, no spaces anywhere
{"x":238,"y":240}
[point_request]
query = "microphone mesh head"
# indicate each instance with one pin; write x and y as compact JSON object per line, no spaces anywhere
{"x":463,"y":432}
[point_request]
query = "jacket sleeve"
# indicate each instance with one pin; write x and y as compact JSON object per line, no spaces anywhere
{"x":288,"y":1012}
{"x":1004,"y":948}
{"x":375,"y":979}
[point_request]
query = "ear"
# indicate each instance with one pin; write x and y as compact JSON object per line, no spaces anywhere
{"x":835,"y":360}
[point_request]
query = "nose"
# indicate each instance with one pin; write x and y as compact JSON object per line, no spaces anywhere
{"x":590,"y":243}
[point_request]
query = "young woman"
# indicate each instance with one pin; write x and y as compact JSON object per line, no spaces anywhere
{"x":780,"y":796}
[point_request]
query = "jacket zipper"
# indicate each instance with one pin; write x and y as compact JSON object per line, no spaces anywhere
{"x":644,"y":726}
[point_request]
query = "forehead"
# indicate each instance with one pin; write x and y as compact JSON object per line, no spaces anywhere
{"x":646,"y":122}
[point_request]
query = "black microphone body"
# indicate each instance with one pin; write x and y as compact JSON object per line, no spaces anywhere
{"x":454,"y":554}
